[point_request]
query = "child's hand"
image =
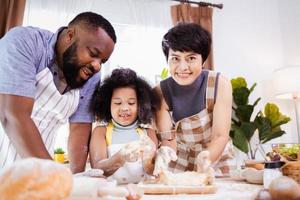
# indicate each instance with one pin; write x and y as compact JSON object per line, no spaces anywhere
{"x":131,"y":152}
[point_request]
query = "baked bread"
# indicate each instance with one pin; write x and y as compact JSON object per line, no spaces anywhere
{"x":35,"y":179}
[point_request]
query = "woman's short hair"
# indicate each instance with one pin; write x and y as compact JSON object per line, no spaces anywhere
{"x":187,"y":37}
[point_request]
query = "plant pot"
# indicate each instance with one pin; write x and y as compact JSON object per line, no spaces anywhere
{"x":256,"y":164}
{"x":59,"y":157}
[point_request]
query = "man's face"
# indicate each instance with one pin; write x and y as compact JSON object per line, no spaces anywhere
{"x":71,"y":68}
{"x":84,"y":57}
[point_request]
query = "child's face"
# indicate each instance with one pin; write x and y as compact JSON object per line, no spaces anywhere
{"x":185,"y":67}
{"x":124,"y":105}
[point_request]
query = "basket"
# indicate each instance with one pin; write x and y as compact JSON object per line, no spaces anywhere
{"x":292,"y":170}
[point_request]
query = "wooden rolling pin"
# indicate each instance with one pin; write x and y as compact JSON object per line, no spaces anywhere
{"x":165,"y":189}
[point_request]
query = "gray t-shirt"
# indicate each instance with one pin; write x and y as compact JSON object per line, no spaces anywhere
{"x":24,"y":52}
{"x":186,"y":100}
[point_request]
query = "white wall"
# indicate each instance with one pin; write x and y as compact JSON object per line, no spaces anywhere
{"x":251,"y":39}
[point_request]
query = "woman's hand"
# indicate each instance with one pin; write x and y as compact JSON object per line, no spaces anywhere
{"x":164,"y":155}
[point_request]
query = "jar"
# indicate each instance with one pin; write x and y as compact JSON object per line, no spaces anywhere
{"x":272,"y":171}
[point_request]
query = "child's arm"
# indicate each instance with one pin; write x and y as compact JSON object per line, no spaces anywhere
{"x":98,"y":153}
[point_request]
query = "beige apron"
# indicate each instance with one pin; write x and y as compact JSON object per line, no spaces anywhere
{"x":51,"y":109}
{"x":193,"y":134}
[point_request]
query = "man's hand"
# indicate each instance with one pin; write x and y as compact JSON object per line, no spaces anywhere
{"x":164,"y":155}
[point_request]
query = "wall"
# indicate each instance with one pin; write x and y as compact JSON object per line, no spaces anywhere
{"x":253,"y":38}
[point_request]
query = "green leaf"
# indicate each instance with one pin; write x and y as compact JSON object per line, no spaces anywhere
{"x":264,"y":127}
{"x":59,"y":151}
{"x":240,"y":96}
{"x":272,"y":136}
{"x":164,"y":73}
{"x":248,"y":129}
{"x":273,"y":114}
{"x":283,"y":119}
{"x":239,"y":140}
{"x":272,"y":111}
{"x":252,"y":87}
{"x":238,"y":83}
{"x":244,"y":112}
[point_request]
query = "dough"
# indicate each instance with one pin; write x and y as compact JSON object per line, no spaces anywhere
{"x":205,"y":174}
{"x":88,"y":187}
{"x":189,"y":178}
{"x":35,"y":179}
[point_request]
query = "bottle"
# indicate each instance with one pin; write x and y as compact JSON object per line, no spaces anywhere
{"x":272,"y":171}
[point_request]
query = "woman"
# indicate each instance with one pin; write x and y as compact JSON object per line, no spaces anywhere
{"x":195,"y":113}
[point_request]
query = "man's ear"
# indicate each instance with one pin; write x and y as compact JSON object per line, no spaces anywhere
{"x":70,"y":34}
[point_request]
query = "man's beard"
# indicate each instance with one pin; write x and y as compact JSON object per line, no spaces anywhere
{"x":71,"y":67}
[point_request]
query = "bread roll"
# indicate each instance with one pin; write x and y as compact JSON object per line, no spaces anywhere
{"x":35,"y":179}
{"x":284,"y":188}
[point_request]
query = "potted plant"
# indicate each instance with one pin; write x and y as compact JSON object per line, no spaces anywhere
{"x":59,"y":155}
{"x":266,"y":124}
{"x":164,"y":73}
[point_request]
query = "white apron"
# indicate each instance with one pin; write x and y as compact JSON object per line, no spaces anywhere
{"x":130,"y":172}
{"x":51,"y":109}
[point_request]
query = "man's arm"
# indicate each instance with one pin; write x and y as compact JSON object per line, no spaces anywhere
{"x":78,"y":143}
{"x":221,"y":119}
{"x":16,"y":120}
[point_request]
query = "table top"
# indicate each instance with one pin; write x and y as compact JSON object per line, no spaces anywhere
{"x":228,"y":189}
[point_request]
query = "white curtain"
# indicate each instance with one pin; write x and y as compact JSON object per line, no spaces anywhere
{"x":139,"y":24}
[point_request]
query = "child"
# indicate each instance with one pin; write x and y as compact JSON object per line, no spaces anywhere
{"x":120,"y":145}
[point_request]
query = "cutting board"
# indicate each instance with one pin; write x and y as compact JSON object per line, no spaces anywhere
{"x":166,"y":189}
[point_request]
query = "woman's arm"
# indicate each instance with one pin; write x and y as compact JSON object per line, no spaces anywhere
{"x":149,"y":156}
{"x":98,"y":153}
{"x":164,"y":121}
{"x":221,"y":119}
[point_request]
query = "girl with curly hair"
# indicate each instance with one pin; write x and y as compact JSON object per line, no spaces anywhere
{"x":122,"y":144}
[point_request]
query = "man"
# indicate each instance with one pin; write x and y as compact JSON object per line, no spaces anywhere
{"x":195,"y":115}
{"x":48,"y":79}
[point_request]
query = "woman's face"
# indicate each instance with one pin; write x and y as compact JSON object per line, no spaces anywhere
{"x":185,"y":67}
{"x":124,"y":106}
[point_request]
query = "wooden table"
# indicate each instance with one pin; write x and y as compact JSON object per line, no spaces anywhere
{"x":228,"y":189}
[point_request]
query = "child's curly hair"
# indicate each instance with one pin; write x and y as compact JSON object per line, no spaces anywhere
{"x":148,"y":99}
